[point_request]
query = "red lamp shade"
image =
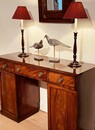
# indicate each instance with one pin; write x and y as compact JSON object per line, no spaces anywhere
{"x":21,"y":13}
{"x":75,"y":10}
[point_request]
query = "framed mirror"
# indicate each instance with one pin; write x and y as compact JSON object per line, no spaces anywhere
{"x":52,"y":11}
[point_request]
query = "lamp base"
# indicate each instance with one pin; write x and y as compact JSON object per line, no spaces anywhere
{"x":21,"y":55}
{"x":75,"y":64}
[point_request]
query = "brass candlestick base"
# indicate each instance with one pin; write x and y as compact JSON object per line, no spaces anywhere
{"x":75,"y":63}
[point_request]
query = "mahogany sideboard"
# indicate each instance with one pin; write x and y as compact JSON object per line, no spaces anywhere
{"x":20,"y":95}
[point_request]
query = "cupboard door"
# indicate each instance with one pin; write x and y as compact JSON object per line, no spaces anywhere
{"x":8,"y":92}
{"x":62,"y":108}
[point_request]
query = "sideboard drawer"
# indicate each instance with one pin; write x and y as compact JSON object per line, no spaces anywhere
{"x":7,"y":66}
{"x":31,"y":71}
{"x":61,"y":80}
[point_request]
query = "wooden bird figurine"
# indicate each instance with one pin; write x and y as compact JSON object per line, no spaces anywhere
{"x":55,"y":42}
{"x":38,"y":45}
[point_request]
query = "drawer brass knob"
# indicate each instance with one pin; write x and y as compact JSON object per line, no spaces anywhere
{"x":60,"y":80}
{"x":4,"y":66}
{"x":18,"y":69}
{"x":40,"y":74}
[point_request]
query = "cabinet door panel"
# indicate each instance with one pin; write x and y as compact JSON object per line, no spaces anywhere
{"x":8,"y":93}
{"x":62,"y":109}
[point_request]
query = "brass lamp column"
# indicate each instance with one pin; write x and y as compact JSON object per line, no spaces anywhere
{"x":75,"y":11}
{"x":22,"y":14}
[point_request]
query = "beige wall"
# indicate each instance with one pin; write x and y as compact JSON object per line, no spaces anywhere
{"x":35,"y":31}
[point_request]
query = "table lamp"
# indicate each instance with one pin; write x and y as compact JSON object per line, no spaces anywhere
{"x":22,"y":14}
{"x":75,"y":11}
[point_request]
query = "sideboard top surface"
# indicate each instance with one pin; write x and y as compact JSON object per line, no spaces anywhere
{"x":62,"y":66}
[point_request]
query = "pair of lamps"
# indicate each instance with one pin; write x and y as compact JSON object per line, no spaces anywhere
{"x":74,"y":11}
